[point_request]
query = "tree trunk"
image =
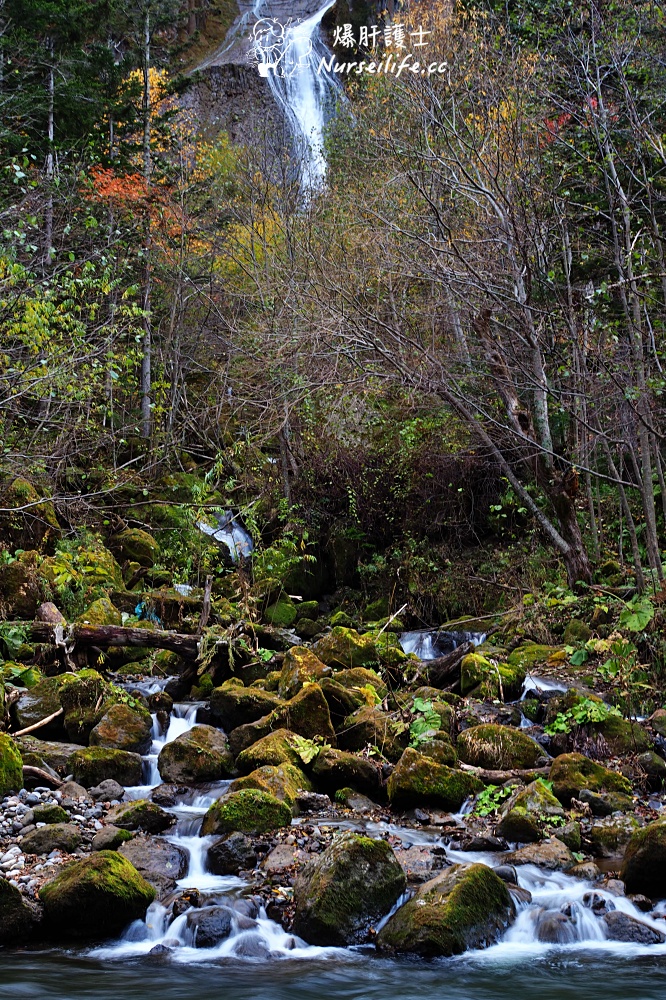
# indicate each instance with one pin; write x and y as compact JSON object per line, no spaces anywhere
{"x":563,"y":498}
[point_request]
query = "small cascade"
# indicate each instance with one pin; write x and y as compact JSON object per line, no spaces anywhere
{"x":430,"y":643}
{"x":183,"y":717}
{"x":540,"y":684}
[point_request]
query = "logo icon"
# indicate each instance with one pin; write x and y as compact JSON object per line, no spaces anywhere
{"x":280,"y":48}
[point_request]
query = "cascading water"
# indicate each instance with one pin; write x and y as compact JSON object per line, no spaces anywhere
{"x":430,"y":643}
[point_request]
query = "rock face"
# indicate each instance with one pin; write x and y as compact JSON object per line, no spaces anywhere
{"x":123,"y":728}
{"x":93,"y":765}
{"x":11,"y":766}
{"x":467,"y":906}
{"x":644,"y":864}
{"x":249,"y":811}
{"x":95,"y":897}
{"x":341,"y":893}
{"x":418,"y":780}
{"x":570,"y":772}
{"x":500,"y":747}
{"x":202,"y":754}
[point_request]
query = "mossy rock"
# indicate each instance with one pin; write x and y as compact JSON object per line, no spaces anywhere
{"x":609,"y":837}
{"x":101,"y":612}
{"x":342,"y":619}
{"x":11,"y":766}
{"x":344,"y":701}
{"x":299,"y":666}
{"x":55,"y":837}
{"x":123,"y":728}
{"x":644,"y":864}
{"x":169,"y":663}
{"x":489,"y":680}
{"x":17,"y":918}
{"x":92,"y":765}
{"x":38,"y":703}
{"x":235,"y":706}
{"x":201,"y":754}
{"x":306,"y":713}
{"x":135,"y":545}
{"x":531,"y":656}
{"x":389,"y":652}
{"x":335,"y":769}
{"x":282,"y":614}
{"x":86,"y":698}
{"x":342,"y":892}
{"x":467,"y":906}
{"x":440,"y":749}
{"x":308,"y":629}
{"x":344,"y":647}
{"x":96,"y":897}
{"x":54,"y":754}
{"x":283,"y":781}
{"x":529,"y":813}
{"x":21,"y":590}
{"x":360,"y":677}
{"x":492,"y":746}
{"x":50,"y":812}
{"x":571,"y":835}
{"x":376,"y":610}
{"x":274,"y":749}
{"x":248,"y":811}
{"x":29,"y":520}
{"x":570,"y":772}
{"x":576,"y":631}
{"x":307,"y":609}
{"x":417,"y":780}
{"x":371,"y":727}
{"x":140,"y":814}
{"x":623,"y":736}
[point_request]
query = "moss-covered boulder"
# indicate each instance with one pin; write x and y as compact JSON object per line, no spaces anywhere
{"x":342,"y":892}
{"x":500,"y":747}
{"x":101,"y":612}
{"x":21,"y":588}
{"x":283,"y":781}
{"x":49,"y":812}
{"x":570,"y":772}
{"x":417,"y":780}
{"x":39,"y":703}
{"x":282,"y":613}
{"x":135,"y":545}
{"x":623,"y":736}
{"x":551,"y":854}
{"x":233,"y":705}
{"x":307,"y":714}
{"x":388,"y":650}
{"x":440,"y":749}
{"x":644,"y":864}
{"x":55,"y":836}
{"x":360,"y":678}
{"x":344,"y":647}
{"x":123,"y":728}
{"x":249,"y":810}
{"x":39,"y":752}
{"x":370,"y":726}
{"x":277,"y":748}
{"x":201,"y":754}
{"x":11,"y":766}
{"x":467,"y":906}
{"x":531,"y":656}
{"x":17,"y":918}
{"x":140,"y":814}
{"x":96,"y":897}
{"x":489,"y":680}
{"x":299,"y":666}
{"x":529,"y":813}
{"x":335,"y":769}
{"x":92,"y":765}
{"x":28,"y":520}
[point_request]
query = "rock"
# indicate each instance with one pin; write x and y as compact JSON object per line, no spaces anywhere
{"x":441,"y":751}
{"x":532,"y":655}
{"x":623,"y":736}
{"x":283,"y":782}
{"x":492,"y":746}
{"x":309,"y":802}
{"x":526,"y":815}
{"x":507,"y":873}
{"x":248,"y":811}
{"x":11,"y":766}
{"x":17,"y":917}
{"x":570,"y":772}
{"x":284,"y":857}
{"x":344,"y":890}
{"x":623,"y":927}
{"x":361,"y":677}
{"x":300,"y":665}
{"x":344,"y":647}
{"x":334,"y":769}
{"x":275,"y":749}
{"x":608,"y":837}
{"x":49,"y":812}
{"x":586,"y":870}
{"x":489,"y":680}
{"x":107,"y":791}
{"x":576,"y":631}
{"x":644,"y":865}
{"x":47,"y":612}
{"x":417,"y":781}
{"x":37,"y":704}
{"x":235,"y":706}
{"x":96,"y":897}
{"x":54,"y":755}
{"x":231,"y":854}
{"x":56,"y":836}
{"x":160,"y":862}
{"x":201,"y":754}
{"x":29,"y":519}
{"x":93,"y":765}
{"x":550,"y":854}
{"x":140,"y":814}
{"x":356,"y":801}
{"x":109,"y":838}
{"x":553,"y":927}
{"x":209,"y":925}
{"x":282,"y":613}
{"x":306,"y":714}
{"x":73,"y":790}
{"x":570,"y":834}
{"x":371,"y":726}
{"x":654,"y":767}
{"x":123,"y":728}
{"x":101,"y":612}
{"x":641,"y":902}
{"x":605,"y":803}
{"x":135,"y":545}
{"x":467,"y":906}
{"x":658,"y":721}
{"x":21,"y":589}
{"x":307,"y":609}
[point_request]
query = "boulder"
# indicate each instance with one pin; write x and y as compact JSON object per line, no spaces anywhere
{"x":109,"y":838}
{"x":209,"y":925}
{"x":361,"y":677}
{"x":528,"y":813}
{"x":570,"y":772}
{"x":654,"y":768}
{"x":531,"y":656}
{"x":55,"y":755}
{"x":17,"y":917}
{"x":281,"y":614}
{"x":231,"y":854}
{"x":56,"y":836}
{"x":500,"y":747}
{"x":101,"y":612}
{"x":107,"y":791}
{"x":344,"y":647}
{"x":306,"y":714}
{"x":275,"y":749}
{"x":299,"y":666}
{"x":29,"y":520}
{"x":235,"y":706}
{"x":140,"y":814}
{"x":644,"y":865}
{"x":248,"y":811}
{"x":658,"y":721}
{"x":623,"y":927}
{"x":608,"y":837}
{"x":371,"y":727}
{"x":489,"y":680}
{"x":343,"y":891}
{"x":283,"y":782}
{"x":334,"y":769}
{"x":550,"y":854}
{"x":160,"y":862}
{"x":11,"y":766}
{"x":417,"y":780}
{"x":96,"y":897}
{"x":201,"y":754}
{"x":49,"y":812}
{"x":123,"y":728}
{"x":467,"y":906}
{"x":135,"y":545}
{"x":92,"y":765}
{"x":39,"y":703}
{"x":21,"y":589}
{"x":440,"y":749}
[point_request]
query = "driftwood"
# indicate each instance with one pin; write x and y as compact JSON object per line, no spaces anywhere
{"x":443,"y":668}
{"x":499,"y":777}
{"x":186,"y":646}
{"x":38,"y":725}
{"x":36,"y":772}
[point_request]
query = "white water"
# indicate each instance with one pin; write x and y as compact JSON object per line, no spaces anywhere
{"x":430,"y":644}
{"x":230,"y":533}
{"x":533,"y":683}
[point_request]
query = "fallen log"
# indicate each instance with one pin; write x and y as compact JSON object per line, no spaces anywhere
{"x":500,"y":777}
{"x":442,"y":668}
{"x":186,"y":646}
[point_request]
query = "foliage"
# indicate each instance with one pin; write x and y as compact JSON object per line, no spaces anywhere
{"x":309,"y":750}
{"x":489,"y":800}
{"x":585,"y":711}
{"x":425,"y":724}
{"x":12,"y":637}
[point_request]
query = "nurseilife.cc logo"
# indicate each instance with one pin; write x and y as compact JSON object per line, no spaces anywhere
{"x":279,"y":49}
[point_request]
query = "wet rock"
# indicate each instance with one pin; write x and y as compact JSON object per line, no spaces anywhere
{"x":570,"y":834}
{"x":528,"y":813}
{"x":57,"y":836}
{"x":283,"y":782}
{"x":235,"y":706}
{"x":306,"y":713}
{"x":140,"y":814}
{"x":107,"y":791}
{"x":339,"y":894}
{"x":17,"y":918}
{"x":553,"y":927}
{"x":110,"y":837}
{"x":37,"y":704}
{"x":586,"y":870}
{"x":597,"y":903}
{"x":308,"y":802}
{"x":485,"y":842}
{"x":209,"y":925}
{"x":467,"y":906}
{"x":507,"y":873}
{"x":95,"y":897}
{"x":300,"y":665}
{"x":570,"y":772}
{"x":160,"y":862}
{"x":92,"y":765}
{"x":654,"y":768}
{"x":248,"y":811}
{"x":230,"y":854}
{"x":644,"y":864}
{"x":641,"y":902}
{"x":123,"y":728}
{"x":550,"y":854}
{"x":344,"y":647}
{"x":623,"y":927}
{"x":276,"y":748}
{"x":420,"y":862}
{"x":417,"y":780}
{"x":166,"y":795}
{"x":202,"y":754}
{"x":356,"y":801}
{"x":11,"y":766}
{"x":334,"y":769}
{"x":608,"y":837}
{"x":494,"y":746}
{"x":658,"y":721}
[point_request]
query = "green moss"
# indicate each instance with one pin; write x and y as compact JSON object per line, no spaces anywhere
{"x":570,"y":772}
{"x":342,"y":619}
{"x":307,"y":609}
{"x":494,"y":746}
{"x":50,"y":813}
{"x":490,"y":680}
{"x":92,"y":765}
{"x":388,"y":649}
{"x":608,"y":837}
{"x":29,"y":520}
{"x":123,"y":728}
{"x":275,"y":749}
{"x":249,"y":810}
{"x":283,"y":781}
{"x":101,"y":612}
{"x":417,"y":780}
{"x":11,"y":766}
{"x":344,"y":647}
{"x":300,"y":665}
{"x":140,"y":814}
{"x":529,"y":813}
{"x":235,"y":706}
{"x":644,"y":866}
{"x":533,"y":655}
{"x":307,"y":714}
{"x":282,"y":614}
{"x":370,"y":726}
{"x":376,"y":609}
{"x":136,"y":545}
{"x":201,"y":754}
